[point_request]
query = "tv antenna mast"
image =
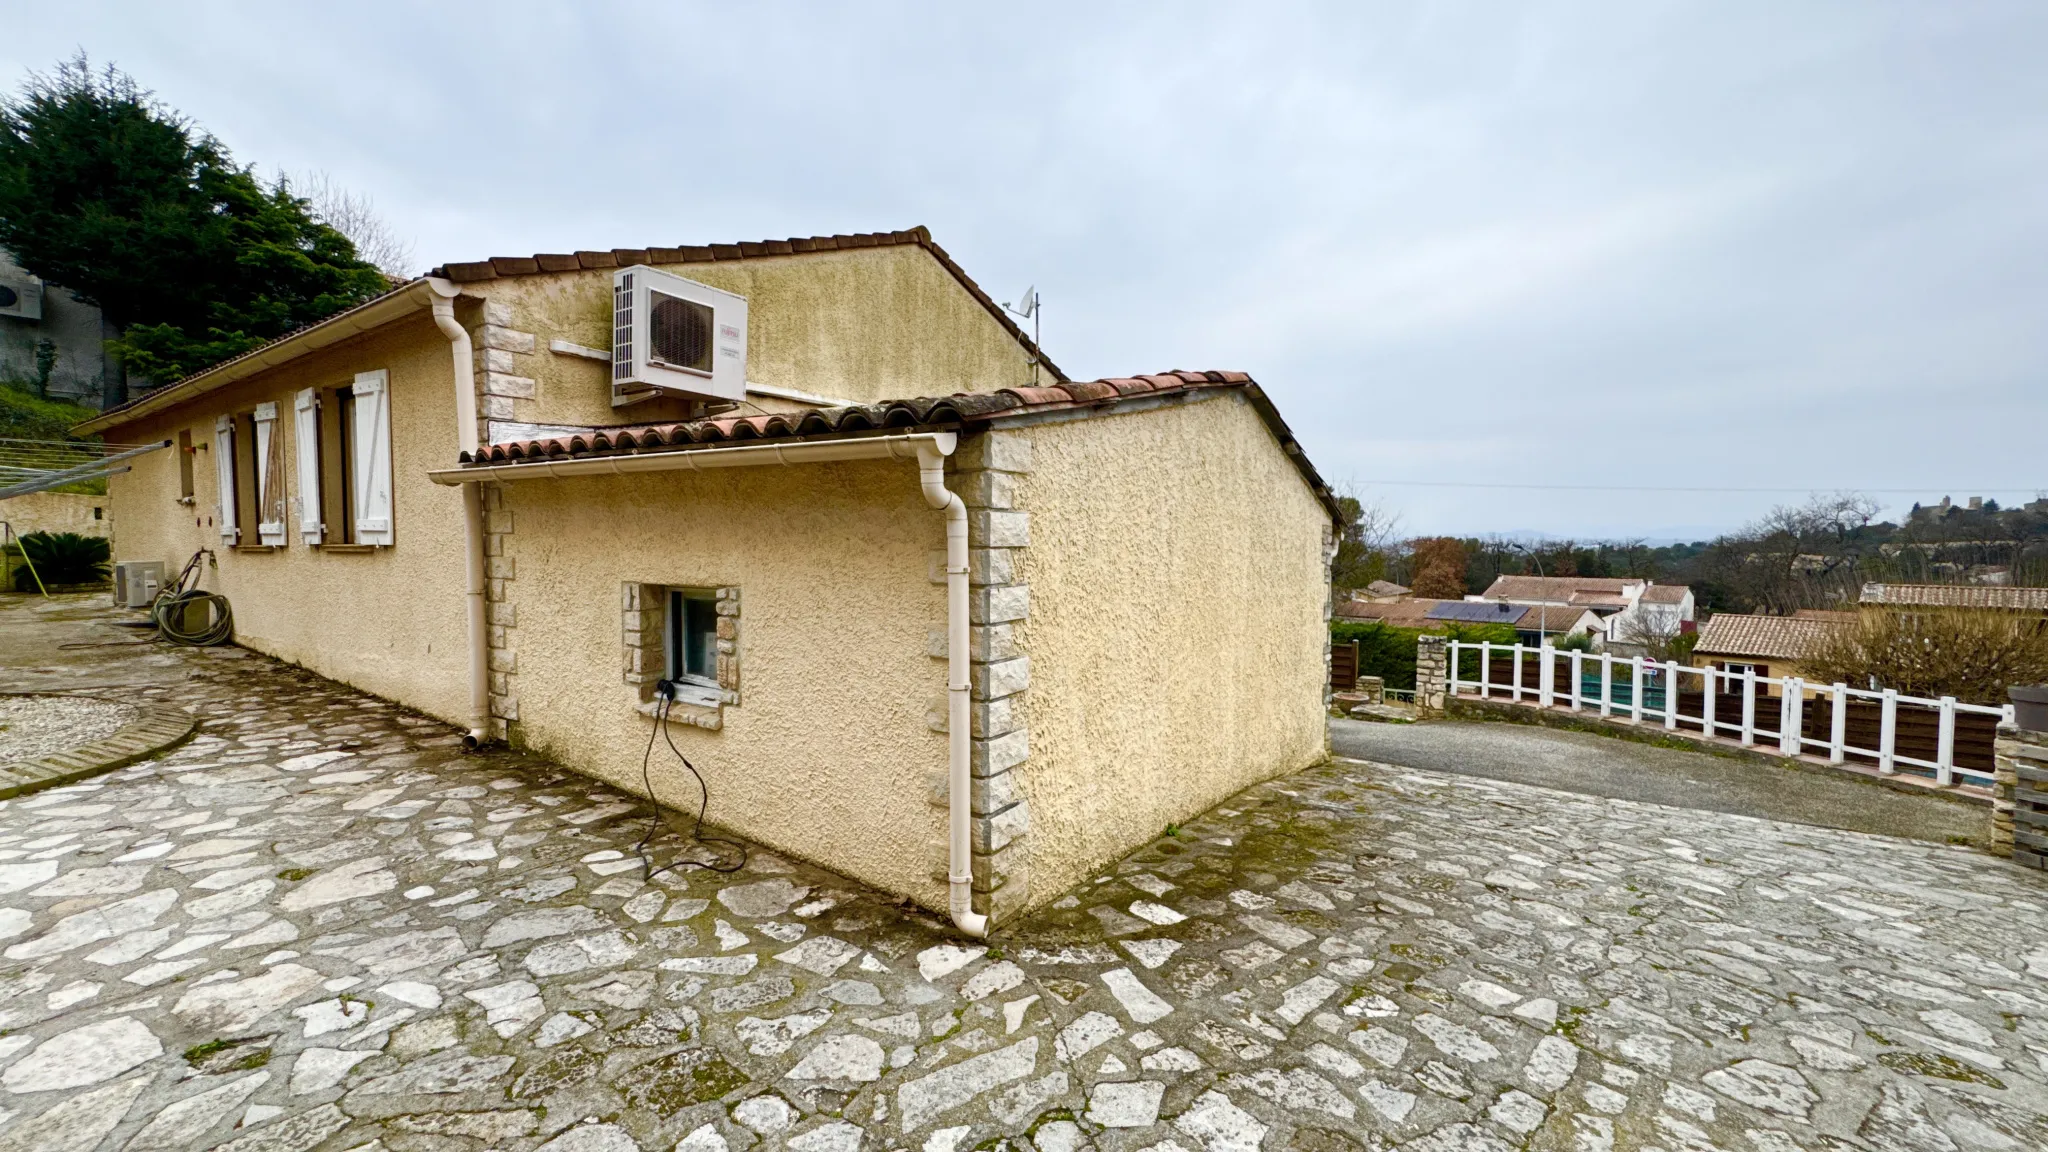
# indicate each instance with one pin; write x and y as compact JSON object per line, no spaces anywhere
{"x":1026,"y":308}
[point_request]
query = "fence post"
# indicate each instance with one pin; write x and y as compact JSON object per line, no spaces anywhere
{"x":1433,"y":674}
{"x":1546,"y":677}
{"x":1607,"y":683}
{"x":1670,"y":695}
{"x":1945,"y":748}
{"x":1749,"y":706}
{"x":1792,"y":717}
{"x":1578,"y":678}
{"x":1451,"y":667}
{"x":1635,"y":689}
{"x":1708,"y":676}
{"x":1485,"y":669}
{"x":1518,"y":672}
{"x":1888,"y":732}
{"x":1838,"y":726}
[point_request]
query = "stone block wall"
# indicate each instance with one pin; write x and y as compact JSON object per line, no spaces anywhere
{"x":984,"y":473}
{"x":2019,"y":797}
{"x":501,"y":618}
{"x":1432,"y":673}
{"x":502,"y":370}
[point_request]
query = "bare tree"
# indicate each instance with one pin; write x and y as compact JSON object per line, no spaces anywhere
{"x":1659,"y":635}
{"x":1973,"y":655}
{"x":1365,"y":542}
{"x":355,"y":215}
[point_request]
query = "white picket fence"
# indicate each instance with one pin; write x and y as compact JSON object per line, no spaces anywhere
{"x":1641,"y":690}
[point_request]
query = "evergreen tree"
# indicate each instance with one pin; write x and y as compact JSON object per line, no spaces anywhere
{"x":128,"y":205}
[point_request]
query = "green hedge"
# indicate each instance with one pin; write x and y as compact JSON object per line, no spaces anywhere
{"x":1389,"y":652}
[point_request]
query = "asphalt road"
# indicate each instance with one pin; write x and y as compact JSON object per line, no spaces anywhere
{"x":1596,"y":765}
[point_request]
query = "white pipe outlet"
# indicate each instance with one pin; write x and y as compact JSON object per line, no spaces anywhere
{"x":931,"y":474}
{"x":472,"y":509}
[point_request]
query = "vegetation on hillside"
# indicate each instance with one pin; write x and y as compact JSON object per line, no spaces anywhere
{"x":132,"y":208}
{"x":1817,"y":554}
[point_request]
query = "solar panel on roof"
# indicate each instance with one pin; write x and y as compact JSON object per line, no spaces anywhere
{"x":1476,"y":612}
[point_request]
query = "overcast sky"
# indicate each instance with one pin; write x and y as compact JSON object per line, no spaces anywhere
{"x":1634,"y":245}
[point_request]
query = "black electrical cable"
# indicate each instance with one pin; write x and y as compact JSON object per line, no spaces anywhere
{"x":664,"y":696}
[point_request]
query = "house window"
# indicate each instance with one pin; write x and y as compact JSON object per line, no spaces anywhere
{"x":693,"y":636}
{"x":1735,"y":670}
{"x":185,"y":489}
{"x":688,"y":637}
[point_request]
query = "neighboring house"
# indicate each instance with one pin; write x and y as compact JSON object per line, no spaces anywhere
{"x":1766,"y":645}
{"x":1382,"y":590}
{"x":32,"y":312}
{"x":1533,"y":625}
{"x":1630,"y":610}
{"x":1989,"y":597}
{"x":880,"y":563}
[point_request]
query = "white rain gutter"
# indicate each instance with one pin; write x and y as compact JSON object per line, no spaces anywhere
{"x":931,"y":475}
{"x":472,"y":509}
{"x":930,"y":449}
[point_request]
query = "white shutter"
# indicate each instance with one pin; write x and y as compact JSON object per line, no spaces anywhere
{"x":224,"y":467}
{"x":306,"y":431}
{"x":372,"y":463}
{"x":269,"y":461}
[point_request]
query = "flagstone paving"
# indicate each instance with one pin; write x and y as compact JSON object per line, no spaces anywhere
{"x":321,"y":925}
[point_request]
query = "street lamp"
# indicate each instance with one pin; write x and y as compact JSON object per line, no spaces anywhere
{"x":1542,"y":607}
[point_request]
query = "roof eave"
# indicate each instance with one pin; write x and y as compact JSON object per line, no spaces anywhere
{"x":394,"y":305}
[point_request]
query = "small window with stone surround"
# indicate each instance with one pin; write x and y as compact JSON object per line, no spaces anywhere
{"x":689,"y":636}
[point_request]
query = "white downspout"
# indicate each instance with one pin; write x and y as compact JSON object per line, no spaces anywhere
{"x":472,"y":510}
{"x":931,"y":474}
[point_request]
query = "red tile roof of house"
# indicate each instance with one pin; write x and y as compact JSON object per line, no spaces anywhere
{"x":1958,"y":596}
{"x":1665,"y":594}
{"x":961,"y":408}
{"x":543,"y":262}
{"x":501,"y":266}
{"x":1779,"y":637}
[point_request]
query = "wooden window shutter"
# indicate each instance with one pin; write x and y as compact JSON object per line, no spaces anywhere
{"x":306,"y":436}
{"x":270,"y":495}
{"x":372,"y":464}
{"x":224,"y":468}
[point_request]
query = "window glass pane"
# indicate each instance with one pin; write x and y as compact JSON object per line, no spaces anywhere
{"x":702,"y":623}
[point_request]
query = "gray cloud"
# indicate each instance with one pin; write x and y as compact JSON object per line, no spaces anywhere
{"x":1742,"y":246}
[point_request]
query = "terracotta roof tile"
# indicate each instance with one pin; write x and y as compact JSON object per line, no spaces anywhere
{"x":1958,"y":596}
{"x":961,"y":408}
{"x":1777,"y":637}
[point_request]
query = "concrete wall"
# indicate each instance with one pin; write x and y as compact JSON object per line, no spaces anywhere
{"x":828,"y":755}
{"x":1177,"y":631}
{"x":389,"y":620}
{"x":863,"y":325}
{"x":75,"y":329}
{"x":57,"y":512}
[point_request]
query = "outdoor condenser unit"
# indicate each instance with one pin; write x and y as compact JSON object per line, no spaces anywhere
{"x":136,"y":582}
{"x":21,"y":295}
{"x":672,"y":336}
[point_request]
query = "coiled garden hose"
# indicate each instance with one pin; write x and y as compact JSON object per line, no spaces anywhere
{"x":170,"y":612}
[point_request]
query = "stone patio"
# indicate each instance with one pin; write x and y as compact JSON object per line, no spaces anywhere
{"x":320,"y":925}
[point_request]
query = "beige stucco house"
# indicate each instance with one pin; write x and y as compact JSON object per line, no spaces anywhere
{"x":931,"y":614}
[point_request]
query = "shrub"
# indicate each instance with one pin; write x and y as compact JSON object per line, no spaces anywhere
{"x":1973,"y":656}
{"x":62,"y":558}
{"x":1389,"y":652}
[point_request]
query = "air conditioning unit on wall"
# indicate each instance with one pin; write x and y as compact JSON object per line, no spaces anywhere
{"x":676,"y":337}
{"x":21,"y":295}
